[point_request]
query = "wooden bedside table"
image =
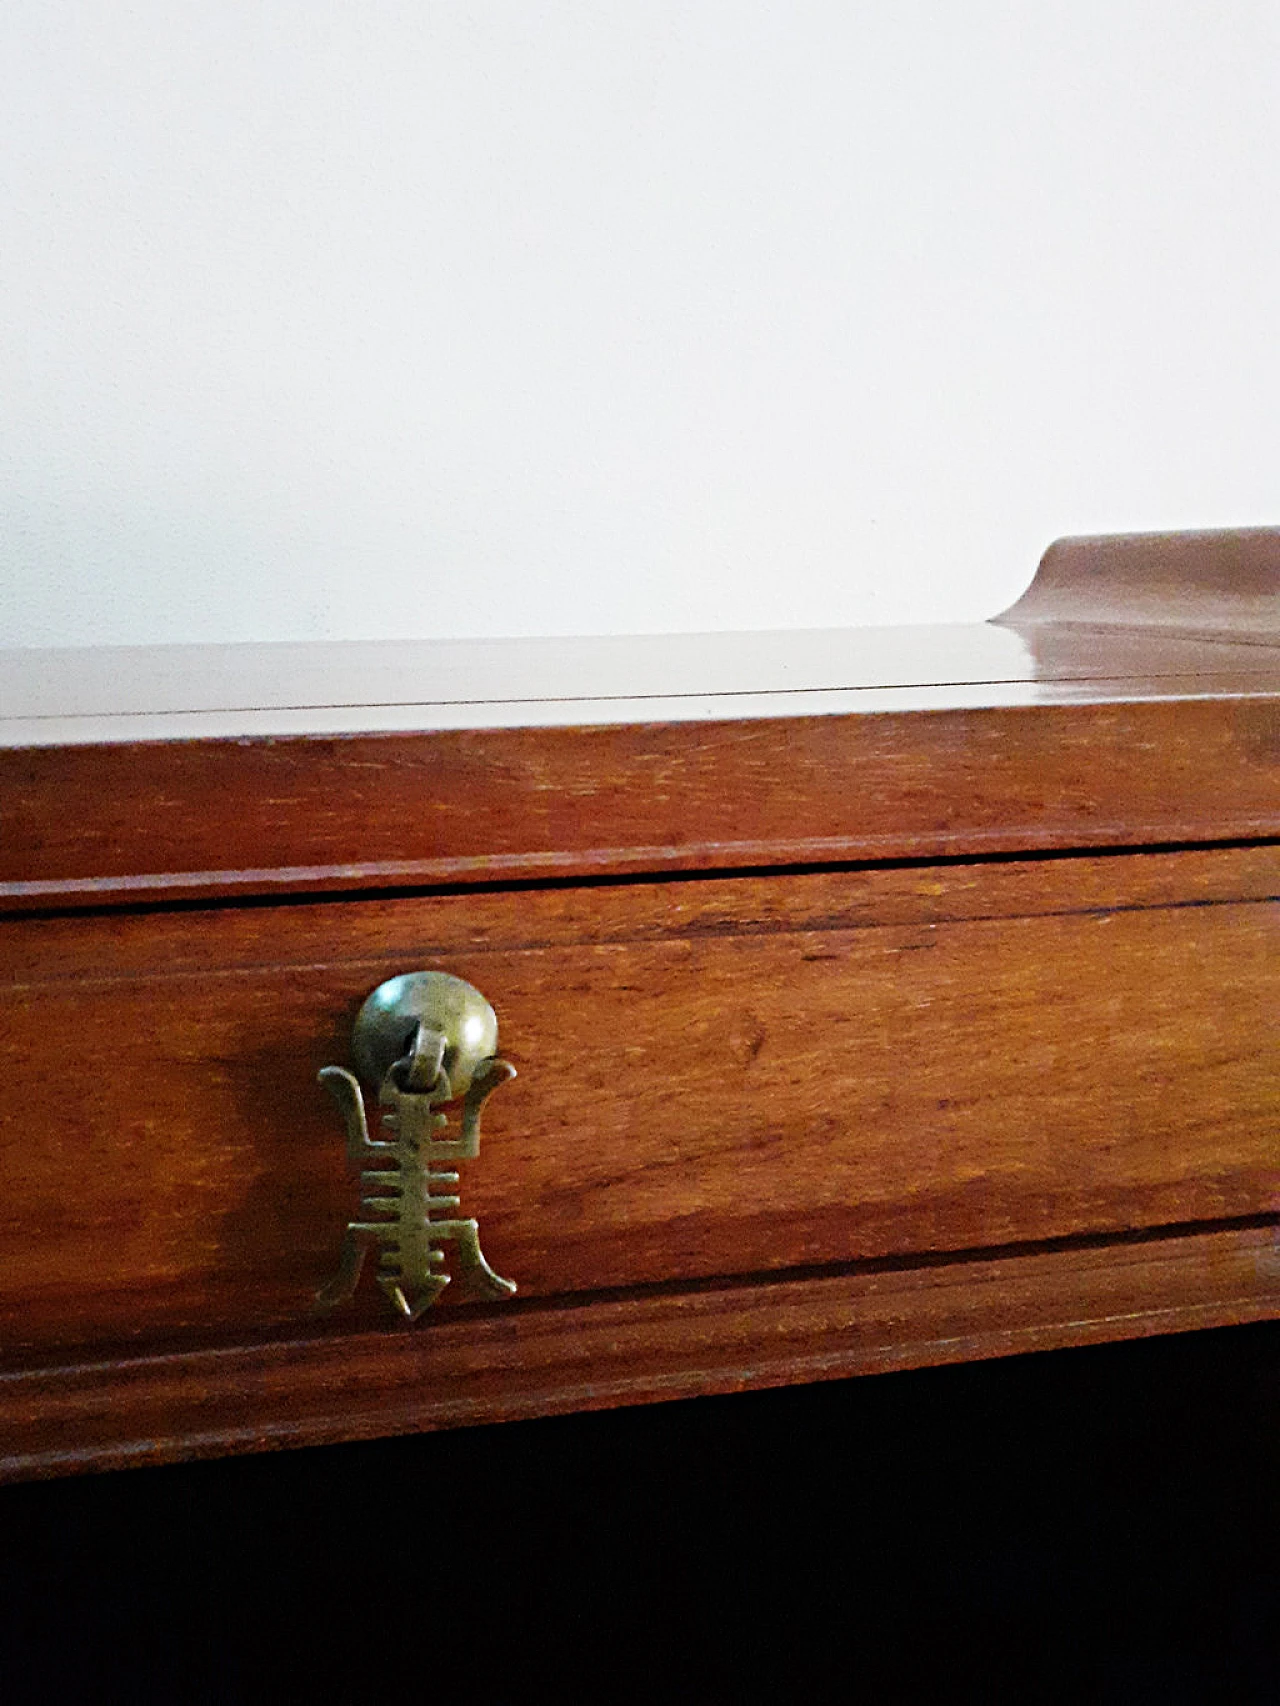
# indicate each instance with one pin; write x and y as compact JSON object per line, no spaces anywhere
{"x":877,"y":999}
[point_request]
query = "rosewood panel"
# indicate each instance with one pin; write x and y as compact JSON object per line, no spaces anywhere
{"x":717,"y":1078}
{"x":90,"y":825}
{"x":532,"y":1360}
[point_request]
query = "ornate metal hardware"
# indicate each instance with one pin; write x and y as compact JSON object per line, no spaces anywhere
{"x":424,"y":1040}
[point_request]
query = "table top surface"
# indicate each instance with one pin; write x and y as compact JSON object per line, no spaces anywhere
{"x":1108,"y":620}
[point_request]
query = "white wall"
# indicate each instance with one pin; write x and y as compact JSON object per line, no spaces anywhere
{"x":357,"y":318}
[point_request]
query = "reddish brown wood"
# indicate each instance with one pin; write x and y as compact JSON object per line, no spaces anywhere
{"x":1215,"y":584}
{"x":1146,"y":710}
{"x":60,"y":697}
{"x":716,"y":1078}
{"x":767,"y":1128}
{"x":93,"y":825}
{"x":533,"y":1360}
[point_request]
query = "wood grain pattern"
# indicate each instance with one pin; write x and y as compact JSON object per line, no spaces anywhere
{"x":934,"y":1082}
{"x":724,"y":1077}
{"x":88,"y":825}
{"x":534,"y":1360}
{"x":1145,"y":676}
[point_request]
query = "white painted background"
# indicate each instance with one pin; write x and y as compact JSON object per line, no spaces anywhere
{"x":330,"y":318}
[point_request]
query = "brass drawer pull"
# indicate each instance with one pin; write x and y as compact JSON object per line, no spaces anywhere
{"x":424,"y":1039}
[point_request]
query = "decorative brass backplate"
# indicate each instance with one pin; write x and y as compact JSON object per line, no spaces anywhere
{"x":425,"y":1040}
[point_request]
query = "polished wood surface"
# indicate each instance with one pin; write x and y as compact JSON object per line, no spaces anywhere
{"x":716,"y":1078}
{"x":519,"y":1360}
{"x":1216,"y":585}
{"x":1078,"y":720}
{"x":1167,"y":616}
{"x":78,"y":695}
{"x":210,"y":819}
{"x":847,"y":1039}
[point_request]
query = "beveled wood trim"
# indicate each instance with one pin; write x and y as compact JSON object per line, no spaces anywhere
{"x":216,"y":819}
{"x":1222,"y":584}
{"x":545,"y":1359}
{"x":190,"y":943}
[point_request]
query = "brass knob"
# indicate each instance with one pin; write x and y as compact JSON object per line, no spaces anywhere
{"x":423,"y":1040}
{"x":431,"y":1004}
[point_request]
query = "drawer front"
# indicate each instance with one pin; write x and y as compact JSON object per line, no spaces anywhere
{"x":716,"y":1078}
